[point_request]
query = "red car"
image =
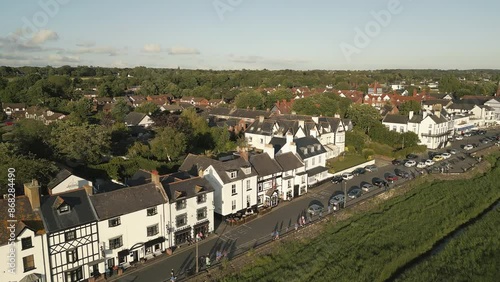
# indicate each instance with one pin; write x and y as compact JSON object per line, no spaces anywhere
{"x":391,"y":177}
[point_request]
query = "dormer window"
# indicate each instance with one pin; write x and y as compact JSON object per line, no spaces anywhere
{"x":64,"y":208}
{"x":232,"y":174}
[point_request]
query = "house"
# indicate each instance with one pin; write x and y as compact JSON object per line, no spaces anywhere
{"x":494,"y":103}
{"x":375,"y":89}
{"x":269,"y":178}
{"x":397,"y":123}
{"x":43,"y":114}
{"x":430,"y":104}
{"x":195,"y":101}
{"x":28,"y":238}
{"x":130,"y":229}
{"x":65,"y":180}
{"x":483,"y":116}
{"x":138,"y":119}
{"x":10,"y":108}
{"x":234,"y":181}
{"x":294,"y":180}
{"x":190,"y":208}
{"x":72,"y":238}
{"x":283,"y":107}
{"x":137,"y":100}
{"x":216,"y":102}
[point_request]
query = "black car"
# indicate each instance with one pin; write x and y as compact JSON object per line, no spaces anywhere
{"x":397,"y":162}
{"x":358,"y":171}
{"x":354,"y":193}
{"x":401,"y":173}
{"x":379,"y":182}
{"x":411,"y":156}
{"x":336,"y":179}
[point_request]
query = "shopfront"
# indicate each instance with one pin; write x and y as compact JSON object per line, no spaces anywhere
{"x":181,"y":236}
{"x":202,"y":227}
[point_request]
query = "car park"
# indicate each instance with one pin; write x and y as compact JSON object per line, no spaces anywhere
{"x":484,"y":141}
{"x":337,"y":201}
{"x":315,"y":209}
{"x":437,"y":158}
{"x":401,"y":173}
{"x":410,"y":163}
{"x":347,"y":176}
{"x":354,"y":193}
{"x":367,"y":187}
{"x":421,"y":165}
{"x":337,"y":179}
{"x":391,"y":177}
{"x":371,"y":168}
{"x":358,"y":171}
{"x":397,"y":162}
{"x":429,"y":162}
{"x":379,"y":182}
{"x":468,"y":147}
{"x":446,"y":155}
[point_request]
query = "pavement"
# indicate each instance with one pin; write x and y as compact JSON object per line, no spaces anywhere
{"x":238,"y":239}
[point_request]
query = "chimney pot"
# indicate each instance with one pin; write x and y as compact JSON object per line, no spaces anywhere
{"x":32,"y":191}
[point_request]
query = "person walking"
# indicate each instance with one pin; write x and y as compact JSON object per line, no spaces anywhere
{"x":172,"y":276}
{"x":207,"y":261}
{"x":329,"y":208}
{"x":218,"y":255}
{"x":277,"y":235}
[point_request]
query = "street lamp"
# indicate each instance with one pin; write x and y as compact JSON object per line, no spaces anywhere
{"x":345,"y":193}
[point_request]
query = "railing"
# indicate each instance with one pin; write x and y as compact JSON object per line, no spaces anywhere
{"x":437,"y":134}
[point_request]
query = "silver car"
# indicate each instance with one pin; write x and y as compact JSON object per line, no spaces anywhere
{"x":315,"y":209}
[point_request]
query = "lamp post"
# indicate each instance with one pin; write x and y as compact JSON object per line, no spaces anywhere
{"x":196,"y":239}
{"x":345,"y":193}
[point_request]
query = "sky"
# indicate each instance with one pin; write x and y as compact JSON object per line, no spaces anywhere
{"x":252,"y":34}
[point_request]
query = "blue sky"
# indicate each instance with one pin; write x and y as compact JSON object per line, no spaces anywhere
{"x":252,"y":34}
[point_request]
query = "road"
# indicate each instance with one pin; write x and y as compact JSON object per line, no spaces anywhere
{"x":236,"y":240}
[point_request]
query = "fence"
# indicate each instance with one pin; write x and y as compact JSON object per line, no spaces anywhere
{"x":339,"y":173}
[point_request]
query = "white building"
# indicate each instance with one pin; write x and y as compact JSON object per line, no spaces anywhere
{"x":65,"y":181}
{"x":269,"y":178}
{"x":138,"y":119}
{"x":495,"y":105}
{"x":294,"y":181}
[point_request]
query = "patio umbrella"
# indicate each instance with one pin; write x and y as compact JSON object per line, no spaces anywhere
{"x":33,"y":277}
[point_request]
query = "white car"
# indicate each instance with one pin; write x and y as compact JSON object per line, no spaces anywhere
{"x":468,"y":134}
{"x":468,"y":147}
{"x":347,"y":176}
{"x":459,"y":137}
{"x":446,"y":155}
{"x":410,"y":163}
{"x":421,"y":165}
{"x":429,"y":162}
{"x":453,"y":151}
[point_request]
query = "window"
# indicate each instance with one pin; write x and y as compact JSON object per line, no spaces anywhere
{"x":232,"y":174}
{"x":248,"y":185}
{"x":261,"y":141}
{"x":180,"y":205}
{"x":259,"y":200}
{"x":26,"y":243}
{"x":233,"y":189}
{"x":289,"y":185}
{"x":152,"y":230}
{"x":201,"y":213}
{"x":305,"y":164}
{"x":394,"y":128}
{"x":201,"y":199}
{"x":72,"y":255}
{"x":259,"y":187}
{"x":75,"y":275}
{"x":152,"y":211}
{"x":115,"y":243}
{"x":70,"y":235}
{"x":114,"y":222}
{"x":29,"y":263}
{"x":249,"y":200}
{"x":233,"y":204}
{"x":111,"y":262}
{"x":313,"y":161}
{"x":303,"y":179}
{"x":64,"y":208}
{"x":181,"y":220}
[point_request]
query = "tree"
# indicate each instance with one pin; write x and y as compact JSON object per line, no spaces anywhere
{"x":363,"y":116}
{"x":87,"y":144}
{"x":31,"y":137}
{"x":222,"y":139}
{"x":120,"y":110}
{"x":355,"y":139}
{"x":278,"y":95}
{"x":406,"y":107}
{"x":139,"y":149}
{"x":80,"y":110}
{"x":409,"y":139}
{"x":147,"y":108}
{"x":169,"y":144}
{"x":250,"y":99}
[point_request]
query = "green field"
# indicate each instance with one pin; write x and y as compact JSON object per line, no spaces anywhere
{"x":473,"y":255}
{"x":374,"y":245}
{"x":341,"y":163}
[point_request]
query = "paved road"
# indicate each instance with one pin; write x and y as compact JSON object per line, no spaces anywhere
{"x":239,"y":239}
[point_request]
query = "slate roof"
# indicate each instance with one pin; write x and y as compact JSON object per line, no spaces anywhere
{"x":188,"y":188}
{"x":81,"y":211}
{"x":62,"y":175}
{"x":126,"y":200}
{"x":442,"y":102}
{"x":134,"y":118}
{"x":13,"y":105}
{"x":264,"y":165}
{"x":307,"y":142}
{"x":288,"y":161}
{"x":27,"y":218}
{"x":278,"y":143}
{"x":462,"y":106}
{"x":439,"y":119}
{"x":396,"y":119}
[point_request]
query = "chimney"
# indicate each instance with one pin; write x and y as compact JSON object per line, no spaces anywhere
{"x":410,"y":115}
{"x":155,"y":177}
{"x":89,"y":189}
{"x":244,"y":155}
{"x":437,"y":113}
{"x":336,"y":116}
{"x":261,"y":119}
{"x":293,"y":148}
{"x":269,"y":149}
{"x":301,"y":123}
{"x":32,"y":191}
{"x":200,"y":172}
{"x":289,"y":138}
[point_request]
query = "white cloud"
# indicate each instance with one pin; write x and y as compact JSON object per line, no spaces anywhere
{"x":42,"y":36}
{"x":182,"y":51}
{"x":111,"y":51}
{"x":152,"y":48}
{"x":66,"y":59}
{"x":86,"y":44}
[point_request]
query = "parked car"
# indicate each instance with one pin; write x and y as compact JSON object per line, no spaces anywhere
{"x":354,"y":193}
{"x":459,"y":137}
{"x":438,"y":158}
{"x":429,"y":162}
{"x":412,"y":156}
{"x":446,"y":155}
{"x":467,"y":134}
{"x":497,"y":143}
{"x":358,"y":171}
{"x":410,"y":163}
{"x":401,"y":173}
{"x":391,"y":177}
{"x":347,"y":176}
{"x":453,"y":151}
{"x":371,"y":168}
{"x":397,"y":162}
{"x":337,"y":179}
{"x":468,"y":147}
{"x":421,"y":165}
{"x":337,"y":201}
{"x":367,"y":187}
{"x":485,"y":141}
{"x":379,"y":182}
{"x":315,"y":209}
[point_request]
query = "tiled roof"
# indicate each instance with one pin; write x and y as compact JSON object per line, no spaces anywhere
{"x":396,"y":119}
{"x":264,"y":165}
{"x":288,"y":161}
{"x":134,"y":118}
{"x":306,"y":144}
{"x":187,"y":188}
{"x":24,"y":214}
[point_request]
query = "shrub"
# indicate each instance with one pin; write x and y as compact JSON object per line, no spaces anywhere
{"x":368,"y":153}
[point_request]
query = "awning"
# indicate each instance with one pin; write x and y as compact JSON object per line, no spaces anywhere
{"x":270,"y":192}
{"x":205,"y":222}
{"x":153,"y":242}
{"x":96,"y":262}
{"x":316,"y":170}
{"x":136,"y":246}
{"x":32,"y":277}
{"x":123,"y":253}
{"x":465,"y":127}
{"x":183,"y":229}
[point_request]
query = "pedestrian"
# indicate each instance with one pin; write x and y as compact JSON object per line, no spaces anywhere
{"x":277,"y":235}
{"x":320,"y":214}
{"x":218,"y":255}
{"x":303,"y":221}
{"x":207,"y":261}
{"x":172,"y":276}
{"x":329,"y":208}
{"x":296,"y":226}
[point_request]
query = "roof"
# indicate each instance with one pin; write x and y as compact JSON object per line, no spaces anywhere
{"x":81,"y":211}
{"x":442,"y":102}
{"x":134,"y":118}
{"x":439,"y":119}
{"x":28,"y":218}
{"x":187,"y":188}
{"x":126,"y":200}
{"x":316,"y":170}
{"x":62,"y":175}
{"x":308,"y":142}
{"x":13,"y":105}
{"x":461,"y":106}
{"x":395,"y":119}
{"x":288,"y":161}
{"x":278,"y":143}
{"x":264,"y":165}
